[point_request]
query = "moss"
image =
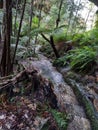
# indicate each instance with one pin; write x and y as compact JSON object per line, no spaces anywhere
{"x":89,"y":109}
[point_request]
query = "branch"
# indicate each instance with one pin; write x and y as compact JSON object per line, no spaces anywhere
{"x":58,"y":19}
{"x":45,"y":37}
{"x":10,"y":82}
{"x":53,"y":47}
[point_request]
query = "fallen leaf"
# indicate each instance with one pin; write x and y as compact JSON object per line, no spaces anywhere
{"x":32,"y":106}
{"x":2,"y":117}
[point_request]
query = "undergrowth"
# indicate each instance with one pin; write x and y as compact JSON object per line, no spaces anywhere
{"x":79,"y":59}
{"x":60,"y":118}
{"x":82,"y":59}
{"x":60,"y":62}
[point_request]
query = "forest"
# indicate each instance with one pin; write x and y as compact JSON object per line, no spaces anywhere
{"x":48,"y":65}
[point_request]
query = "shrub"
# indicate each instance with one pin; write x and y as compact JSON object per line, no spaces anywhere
{"x":82,"y":59}
{"x":60,"y":62}
{"x":61,"y":119}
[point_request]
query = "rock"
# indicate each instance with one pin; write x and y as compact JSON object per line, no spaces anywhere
{"x":91,"y":85}
{"x":79,"y":123}
{"x":96,"y":74}
{"x":96,"y":104}
{"x":91,"y":79}
{"x":64,"y":93}
{"x":74,"y":110}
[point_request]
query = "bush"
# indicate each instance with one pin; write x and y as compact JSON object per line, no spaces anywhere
{"x":82,"y":59}
{"x":60,"y":62}
{"x":61,"y":119}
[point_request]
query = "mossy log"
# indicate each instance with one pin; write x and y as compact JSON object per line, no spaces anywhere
{"x":88,"y":106}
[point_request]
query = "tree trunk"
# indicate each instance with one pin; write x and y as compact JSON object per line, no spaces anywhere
{"x":51,"y":41}
{"x":53,"y":47}
{"x":1,"y":4}
{"x":18,"y":35}
{"x":6,"y":59}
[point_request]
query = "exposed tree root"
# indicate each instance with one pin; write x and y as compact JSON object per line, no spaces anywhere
{"x":32,"y":81}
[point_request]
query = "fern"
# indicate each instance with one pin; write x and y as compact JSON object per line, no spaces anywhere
{"x":62,"y":61}
{"x":82,"y":59}
{"x":60,"y":118}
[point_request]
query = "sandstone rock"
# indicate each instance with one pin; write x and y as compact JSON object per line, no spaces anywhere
{"x":79,"y":123}
{"x":75,"y":110}
{"x":96,"y":104}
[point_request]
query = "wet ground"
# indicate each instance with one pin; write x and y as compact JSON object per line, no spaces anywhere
{"x":66,"y":98}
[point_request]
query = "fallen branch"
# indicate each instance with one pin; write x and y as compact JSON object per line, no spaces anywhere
{"x":7,"y":82}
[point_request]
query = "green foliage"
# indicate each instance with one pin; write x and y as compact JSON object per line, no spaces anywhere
{"x":89,"y":38}
{"x":82,"y":39}
{"x":94,"y":35}
{"x":60,"y":118}
{"x":60,"y":61}
{"x":45,"y":127}
{"x":23,"y":41}
{"x":78,"y":37}
{"x":1,"y":16}
{"x":47,"y":50}
{"x":82,"y":59}
{"x":35,"y":22}
{"x":40,"y":30}
{"x":58,"y":37}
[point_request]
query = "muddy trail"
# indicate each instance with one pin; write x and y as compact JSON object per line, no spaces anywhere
{"x":67,"y":100}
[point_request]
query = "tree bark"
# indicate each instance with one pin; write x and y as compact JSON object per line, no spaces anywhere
{"x":53,"y":46}
{"x":18,"y":35}
{"x":51,"y":41}
{"x":6,"y":59}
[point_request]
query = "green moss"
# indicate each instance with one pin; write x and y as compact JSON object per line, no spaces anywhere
{"x":90,"y":112}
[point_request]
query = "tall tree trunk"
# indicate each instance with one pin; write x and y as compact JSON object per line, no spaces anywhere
{"x":18,"y":35}
{"x":31,"y":16}
{"x":6,"y":59}
{"x":17,"y":1}
{"x":53,"y":47}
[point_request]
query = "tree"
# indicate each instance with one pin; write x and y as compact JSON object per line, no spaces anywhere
{"x":6,"y":65}
{"x":7,"y":23}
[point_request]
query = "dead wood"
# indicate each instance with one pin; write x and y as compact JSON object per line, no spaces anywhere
{"x":8,"y":81}
{"x":34,"y":81}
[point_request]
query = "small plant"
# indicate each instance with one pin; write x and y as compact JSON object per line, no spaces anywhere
{"x":47,"y":50}
{"x":58,"y":37}
{"x":60,"y":62}
{"x":60,"y":118}
{"x":83,"y":39}
{"x":82,"y":59}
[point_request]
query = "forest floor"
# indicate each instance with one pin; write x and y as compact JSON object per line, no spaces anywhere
{"x":38,"y":102}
